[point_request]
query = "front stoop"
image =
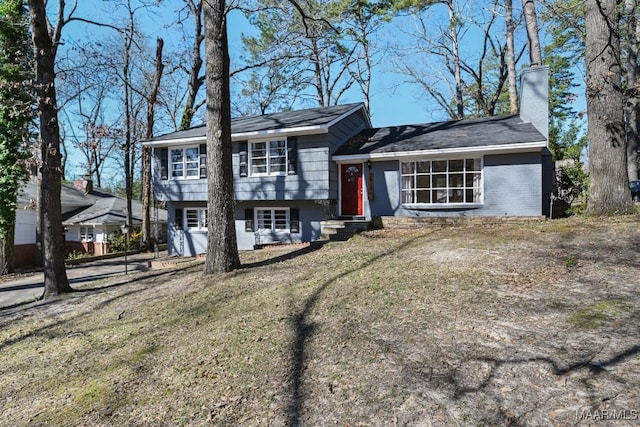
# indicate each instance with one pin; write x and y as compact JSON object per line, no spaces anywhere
{"x":337,"y":230}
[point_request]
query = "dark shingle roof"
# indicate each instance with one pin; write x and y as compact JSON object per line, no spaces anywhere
{"x":72,"y":198}
{"x":321,"y":116}
{"x":108,"y":209}
{"x":96,"y":207}
{"x":502,"y":130}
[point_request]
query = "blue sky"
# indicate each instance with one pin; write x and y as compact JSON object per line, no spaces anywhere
{"x":393,"y":100}
{"x":392,"y":103}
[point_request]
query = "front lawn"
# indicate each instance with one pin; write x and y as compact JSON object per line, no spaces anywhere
{"x":513,"y":325}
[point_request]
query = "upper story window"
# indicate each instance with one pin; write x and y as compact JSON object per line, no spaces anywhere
{"x":186,"y":162}
{"x":275,"y":157}
{"x":442,"y":182}
{"x":268,"y":157}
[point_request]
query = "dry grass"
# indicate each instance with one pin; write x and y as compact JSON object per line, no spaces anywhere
{"x":518,"y":325}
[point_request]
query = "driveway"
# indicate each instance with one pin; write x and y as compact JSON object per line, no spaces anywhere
{"x":30,"y":286}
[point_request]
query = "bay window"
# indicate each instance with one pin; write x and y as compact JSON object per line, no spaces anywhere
{"x":446,"y":182}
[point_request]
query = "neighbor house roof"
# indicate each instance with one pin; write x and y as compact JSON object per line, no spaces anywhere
{"x":493,"y":134}
{"x":299,"y":122}
{"x":93,"y":208}
{"x":71,"y":197}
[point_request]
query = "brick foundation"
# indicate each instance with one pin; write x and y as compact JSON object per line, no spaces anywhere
{"x":403,"y":222}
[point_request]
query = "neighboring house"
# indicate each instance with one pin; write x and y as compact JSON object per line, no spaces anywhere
{"x":89,"y":215}
{"x":24,"y":245}
{"x":293,"y":170}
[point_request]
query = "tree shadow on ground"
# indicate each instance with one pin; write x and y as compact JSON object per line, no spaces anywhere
{"x":313,"y":246}
{"x":304,"y":328}
{"x":26,"y":307}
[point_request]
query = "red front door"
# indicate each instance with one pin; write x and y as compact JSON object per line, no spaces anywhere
{"x":351,"y":181}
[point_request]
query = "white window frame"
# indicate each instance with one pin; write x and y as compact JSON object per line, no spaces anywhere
{"x":276,"y":214}
{"x":200,"y":216}
{"x":88,"y":235}
{"x":268,"y":158}
{"x":184,"y":162}
{"x":476,"y":188}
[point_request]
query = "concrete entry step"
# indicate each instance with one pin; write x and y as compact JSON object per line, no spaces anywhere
{"x":342,"y":229}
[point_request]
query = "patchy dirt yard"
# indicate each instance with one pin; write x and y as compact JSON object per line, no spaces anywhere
{"x":531,"y":325}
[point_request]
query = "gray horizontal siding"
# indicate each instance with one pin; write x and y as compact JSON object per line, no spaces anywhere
{"x":512,"y":187}
{"x":176,"y":189}
{"x":311,"y":214}
{"x":311,"y":182}
{"x":184,"y":242}
{"x":181,"y":189}
{"x":345,"y":129}
{"x":316,"y":176}
{"x":191,"y":243}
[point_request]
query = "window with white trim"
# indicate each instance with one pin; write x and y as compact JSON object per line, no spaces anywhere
{"x":185,"y":162}
{"x":273,"y":219}
{"x":446,"y":182}
{"x":86,"y":233}
{"x":195,"y":218}
{"x":268,"y":157}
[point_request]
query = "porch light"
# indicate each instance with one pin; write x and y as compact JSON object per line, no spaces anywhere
{"x":369,"y":164}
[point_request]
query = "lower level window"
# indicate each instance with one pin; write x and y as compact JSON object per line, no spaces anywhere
{"x":196,"y":218}
{"x":86,"y":234}
{"x":456,"y":181}
{"x":272,"y":219}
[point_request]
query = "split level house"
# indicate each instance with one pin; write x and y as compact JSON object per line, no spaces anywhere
{"x":295,"y":169}
{"x":89,"y":216}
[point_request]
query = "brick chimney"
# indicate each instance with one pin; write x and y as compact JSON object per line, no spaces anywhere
{"x":86,"y":185}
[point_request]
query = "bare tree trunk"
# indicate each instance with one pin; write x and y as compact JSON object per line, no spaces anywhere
{"x":453,"y":33}
{"x":6,"y":250}
{"x":128,"y":131}
{"x":146,"y":151}
{"x":317,"y":70}
{"x":535,"y":52}
{"x":45,"y":46}
{"x":633,"y":89}
{"x":222,"y":249}
{"x":195,"y":79}
{"x":609,"y":192}
{"x":511,"y":58}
